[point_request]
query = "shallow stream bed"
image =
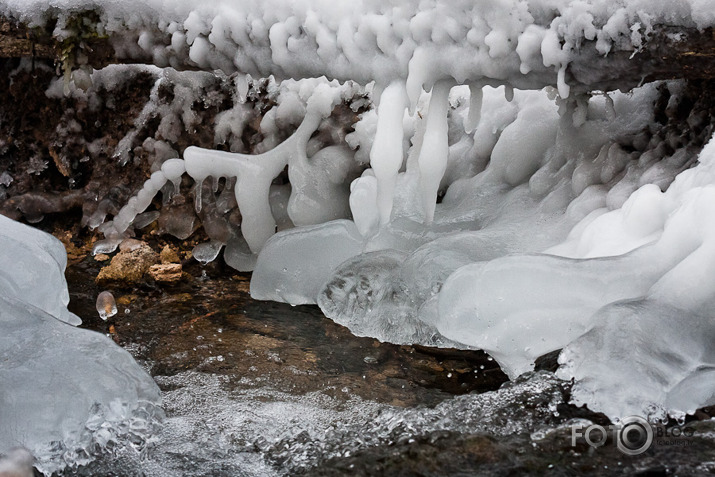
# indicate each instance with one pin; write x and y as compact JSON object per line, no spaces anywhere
{"x":259,"y":388}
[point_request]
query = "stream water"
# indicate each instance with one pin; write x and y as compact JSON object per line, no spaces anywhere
{"x":257,"y":388}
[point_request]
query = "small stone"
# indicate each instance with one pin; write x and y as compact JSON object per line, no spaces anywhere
{"x":17,"y":462}
{"x":101,"y":257}
{"x":169,"y":255}
{"x":128,"y":266}
{"x":166,"y":272}
{"x":126,"y":299}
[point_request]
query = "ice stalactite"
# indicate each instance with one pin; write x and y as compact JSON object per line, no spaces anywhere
{"x":476,"y":96}
{"x":255,"y":174}
{"x":435,"y":150}
{"x":386,"y":155}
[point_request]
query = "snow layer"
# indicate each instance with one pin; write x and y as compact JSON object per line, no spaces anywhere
{"x":67,"y":394}
{"x":528,"y":44}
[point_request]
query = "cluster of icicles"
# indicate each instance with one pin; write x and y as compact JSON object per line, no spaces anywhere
{"x":254,"y":174}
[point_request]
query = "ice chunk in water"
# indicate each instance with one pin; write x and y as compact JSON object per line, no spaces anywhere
{"x":366,"y":295}
{"x":664,"y":353}
{"x":511,"y":306}
{"x":57,"y":379}
{"x":32,"y":267}
{"x":106,"y":306}
{"x":294,"y":264}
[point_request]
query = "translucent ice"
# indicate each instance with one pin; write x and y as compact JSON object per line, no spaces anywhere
{"x":106,"y":306}
{"x":296,"y":263}
{"x":663,"y":353}
{"x":58,"y":380}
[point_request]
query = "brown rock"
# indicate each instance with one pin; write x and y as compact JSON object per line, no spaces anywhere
{"x":128,"y":266}
{"x":166,"y":272}
{"x":126,"y":299}
{"x":100,"y":257}
{"x":169,"y":255}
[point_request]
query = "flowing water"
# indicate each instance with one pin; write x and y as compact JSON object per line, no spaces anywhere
{"x":259,"y":388}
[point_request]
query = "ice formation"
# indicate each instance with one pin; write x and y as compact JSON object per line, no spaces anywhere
{"x":527,"y":44}
{"x":513,"y":208}
{"x":67,"y":393}
{"x":106,"y":306}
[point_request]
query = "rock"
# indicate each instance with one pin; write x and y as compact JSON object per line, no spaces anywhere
{"x":101,"y":257}
{"x":128,"y":266}
{"x":169,"y":255}
{"x":126,"y":299}
{"x":166,"y":272}
{"x":17,"y":463}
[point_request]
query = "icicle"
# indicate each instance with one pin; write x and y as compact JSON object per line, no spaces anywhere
{"x":198,"y":189}
{"x":563,"y":88}
{"x":509,"y":93}
{"x":215,"y":184}
{"x":207,"y":252}
{"x":254,"y":176}
{"x":243,"y":82}
{"x":226,"y":200}
{"x":363,"y":190}
{"x":475,"y":107}
{"x":610,"y":108}
{"x":386,"y":154}
{"x":107,"y":245}
{"x":418,"y":69}
{"x":142,"y":220}
{"x":171,"y":171}
{"x":435,"y":149}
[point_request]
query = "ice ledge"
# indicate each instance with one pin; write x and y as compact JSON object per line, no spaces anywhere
{"x":577,"y":46}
